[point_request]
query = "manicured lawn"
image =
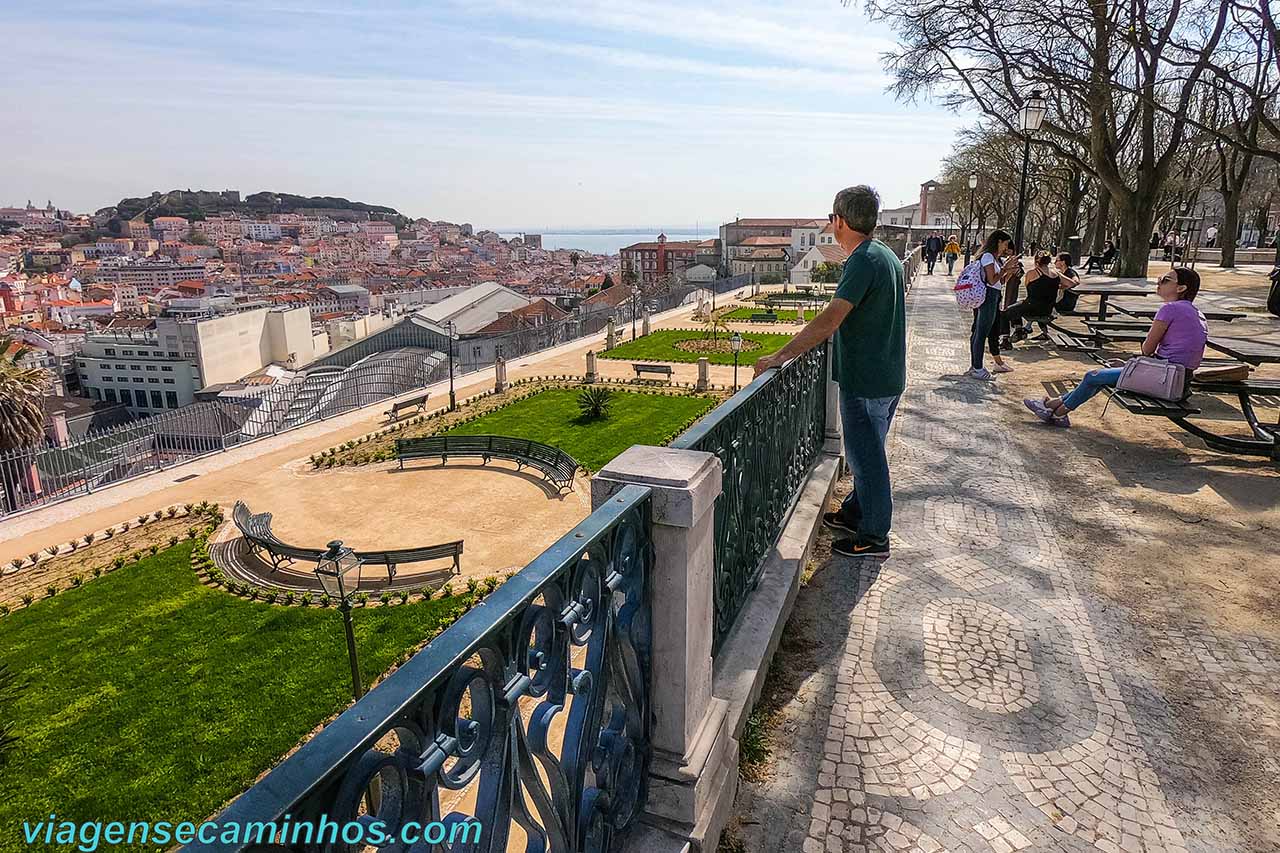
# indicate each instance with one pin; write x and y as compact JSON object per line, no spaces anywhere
{"x":785,"y":315}
{"x":660,"y":346}
{"x":552,"y":417}
{"x":152,"y":697}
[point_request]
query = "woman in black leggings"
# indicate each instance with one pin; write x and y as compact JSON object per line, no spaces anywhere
{"x":1043,"y":283}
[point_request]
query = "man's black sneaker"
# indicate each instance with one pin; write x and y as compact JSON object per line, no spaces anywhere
{"x":835,"y":521}
{"x":855,"y":547}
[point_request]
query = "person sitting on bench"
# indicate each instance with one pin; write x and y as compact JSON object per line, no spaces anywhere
{"x":1043,"y":283}
{"x":1100,"y":263}
{"x":1067,"y":280}
{"x":1178,"y":334}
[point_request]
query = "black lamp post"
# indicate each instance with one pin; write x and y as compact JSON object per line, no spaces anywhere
{"x":635,"y":294}
{"x":735,"y":343}
{"x":964,"y":232}
{"x":338,"y":570}
{"x":453,"y":401}
{"x":1030,"y":117}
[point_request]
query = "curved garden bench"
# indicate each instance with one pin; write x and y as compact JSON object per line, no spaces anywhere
{"x":556,"y":465}
{"x":256,"y":528}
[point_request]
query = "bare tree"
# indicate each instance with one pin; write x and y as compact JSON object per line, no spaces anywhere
{"x":1119,"y":78}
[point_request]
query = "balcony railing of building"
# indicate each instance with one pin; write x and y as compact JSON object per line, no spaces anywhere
{"x":544,"y":714}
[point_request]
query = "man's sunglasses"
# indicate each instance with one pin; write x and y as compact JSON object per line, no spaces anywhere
{"x":831,"y":217}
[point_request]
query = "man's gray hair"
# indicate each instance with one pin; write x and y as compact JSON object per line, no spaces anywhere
{"x":859,"y":207}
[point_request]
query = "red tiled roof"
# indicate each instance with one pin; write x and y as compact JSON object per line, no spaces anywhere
{"x":681,"y":245}
{"x":612,"y":296}
{"x":533,"y":314}
{"x":774,"y":223}
{"x":766,"y":241}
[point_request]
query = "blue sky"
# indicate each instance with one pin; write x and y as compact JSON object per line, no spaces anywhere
{"x":511,"y":113}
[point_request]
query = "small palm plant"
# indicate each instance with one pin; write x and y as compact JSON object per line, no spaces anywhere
{"x":594,"y":403}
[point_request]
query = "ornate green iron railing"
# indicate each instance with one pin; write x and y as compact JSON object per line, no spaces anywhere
{"x":531,"y":711}
{"x":768,"y":437}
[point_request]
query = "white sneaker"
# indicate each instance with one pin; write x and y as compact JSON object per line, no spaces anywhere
{"x":1002,"y":368}
{"x":980,"y":373}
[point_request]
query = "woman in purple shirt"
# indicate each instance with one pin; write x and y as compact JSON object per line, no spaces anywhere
{"x":1178,"y":334}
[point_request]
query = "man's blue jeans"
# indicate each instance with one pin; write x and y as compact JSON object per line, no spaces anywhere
{"x":866,"y":422}
{"x":1093,"y":382}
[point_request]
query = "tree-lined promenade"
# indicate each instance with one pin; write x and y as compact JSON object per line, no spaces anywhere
{"x":1147,"y":103}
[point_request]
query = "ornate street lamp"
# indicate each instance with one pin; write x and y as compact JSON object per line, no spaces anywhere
{"x":338,"y":571}
{"x":453,"y":401}
{"x":964,"y":232}
{"x":735,"y":344}
{"x":1029,"y":119}
{"x":635,"y":296}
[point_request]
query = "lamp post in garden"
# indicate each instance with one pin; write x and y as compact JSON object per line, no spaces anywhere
{"x":1030,"y":117}
{"x":338,"y":570}
{"x":964,"y":232}
{"x":453,"y":401}
{"x":635,"y":300}
{"x":735,"y":343}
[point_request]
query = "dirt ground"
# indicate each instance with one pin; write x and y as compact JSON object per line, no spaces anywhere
{"x":60,"y":570}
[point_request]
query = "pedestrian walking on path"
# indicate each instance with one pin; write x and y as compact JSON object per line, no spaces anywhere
{"x":952,"y":251}
{"x":985,"y":329}
{"x":867,"y":317}
{"x":932,"y":248}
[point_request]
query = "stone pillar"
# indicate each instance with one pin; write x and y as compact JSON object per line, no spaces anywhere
{"x":500,"y":375}
{"x":591,"y":366}
{"x":694,"y":754}
{"x":611,"y":339}
{"x":834,"y":442}
{"x":647,"y":323}
{"x":704,"y":374}
{"x":58,"y":429}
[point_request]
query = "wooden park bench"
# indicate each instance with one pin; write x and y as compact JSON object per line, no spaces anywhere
{"x":419,"y":402}
{"x":557,"y":466}
{"x":256,"y":529}
{"x":1265,"y":440}
{"x":1066,"y":339}
{"x":661,"y":369}
{"x":764,"y":317}
{"x":391,"y":559}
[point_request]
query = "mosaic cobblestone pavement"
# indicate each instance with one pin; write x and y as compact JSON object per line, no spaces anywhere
{"x":973,"y":704}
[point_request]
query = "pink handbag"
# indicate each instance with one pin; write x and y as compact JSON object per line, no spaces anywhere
{"x":1153,"y":377}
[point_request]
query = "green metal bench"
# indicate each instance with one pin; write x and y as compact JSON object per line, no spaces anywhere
{"x":556,"y":465}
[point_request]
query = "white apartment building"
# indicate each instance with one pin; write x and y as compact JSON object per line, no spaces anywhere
{"x":159,"y":369}
{"x":376,"y":230}
{"x":260,"y":230}
{"x":805,"y":237}
{"x":150,"y":277}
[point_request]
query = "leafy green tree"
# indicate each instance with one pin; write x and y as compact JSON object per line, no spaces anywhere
{"x":825,"y":273}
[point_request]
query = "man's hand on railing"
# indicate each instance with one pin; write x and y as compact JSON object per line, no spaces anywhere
{"x":768,"y":363}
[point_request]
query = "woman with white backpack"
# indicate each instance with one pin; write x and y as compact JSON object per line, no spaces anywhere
{"x":986,"y":276}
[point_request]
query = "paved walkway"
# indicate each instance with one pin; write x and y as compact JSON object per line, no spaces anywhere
{"x":971,"y":693}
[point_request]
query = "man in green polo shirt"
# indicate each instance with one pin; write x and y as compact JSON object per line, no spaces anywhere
{"x":867,"y":317}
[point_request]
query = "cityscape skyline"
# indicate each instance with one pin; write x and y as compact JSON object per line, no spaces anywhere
{"x":515,"y":118}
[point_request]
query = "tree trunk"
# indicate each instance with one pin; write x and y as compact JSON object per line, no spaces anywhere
{"x":1133,"y":243}
{"x":1229,"y":233}
{"x":1071,"y":208}
{"x":1098,"y":227}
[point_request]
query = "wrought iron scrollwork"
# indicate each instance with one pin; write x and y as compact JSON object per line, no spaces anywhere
{"x":531,"y":711}
{"x":767,"y":437}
